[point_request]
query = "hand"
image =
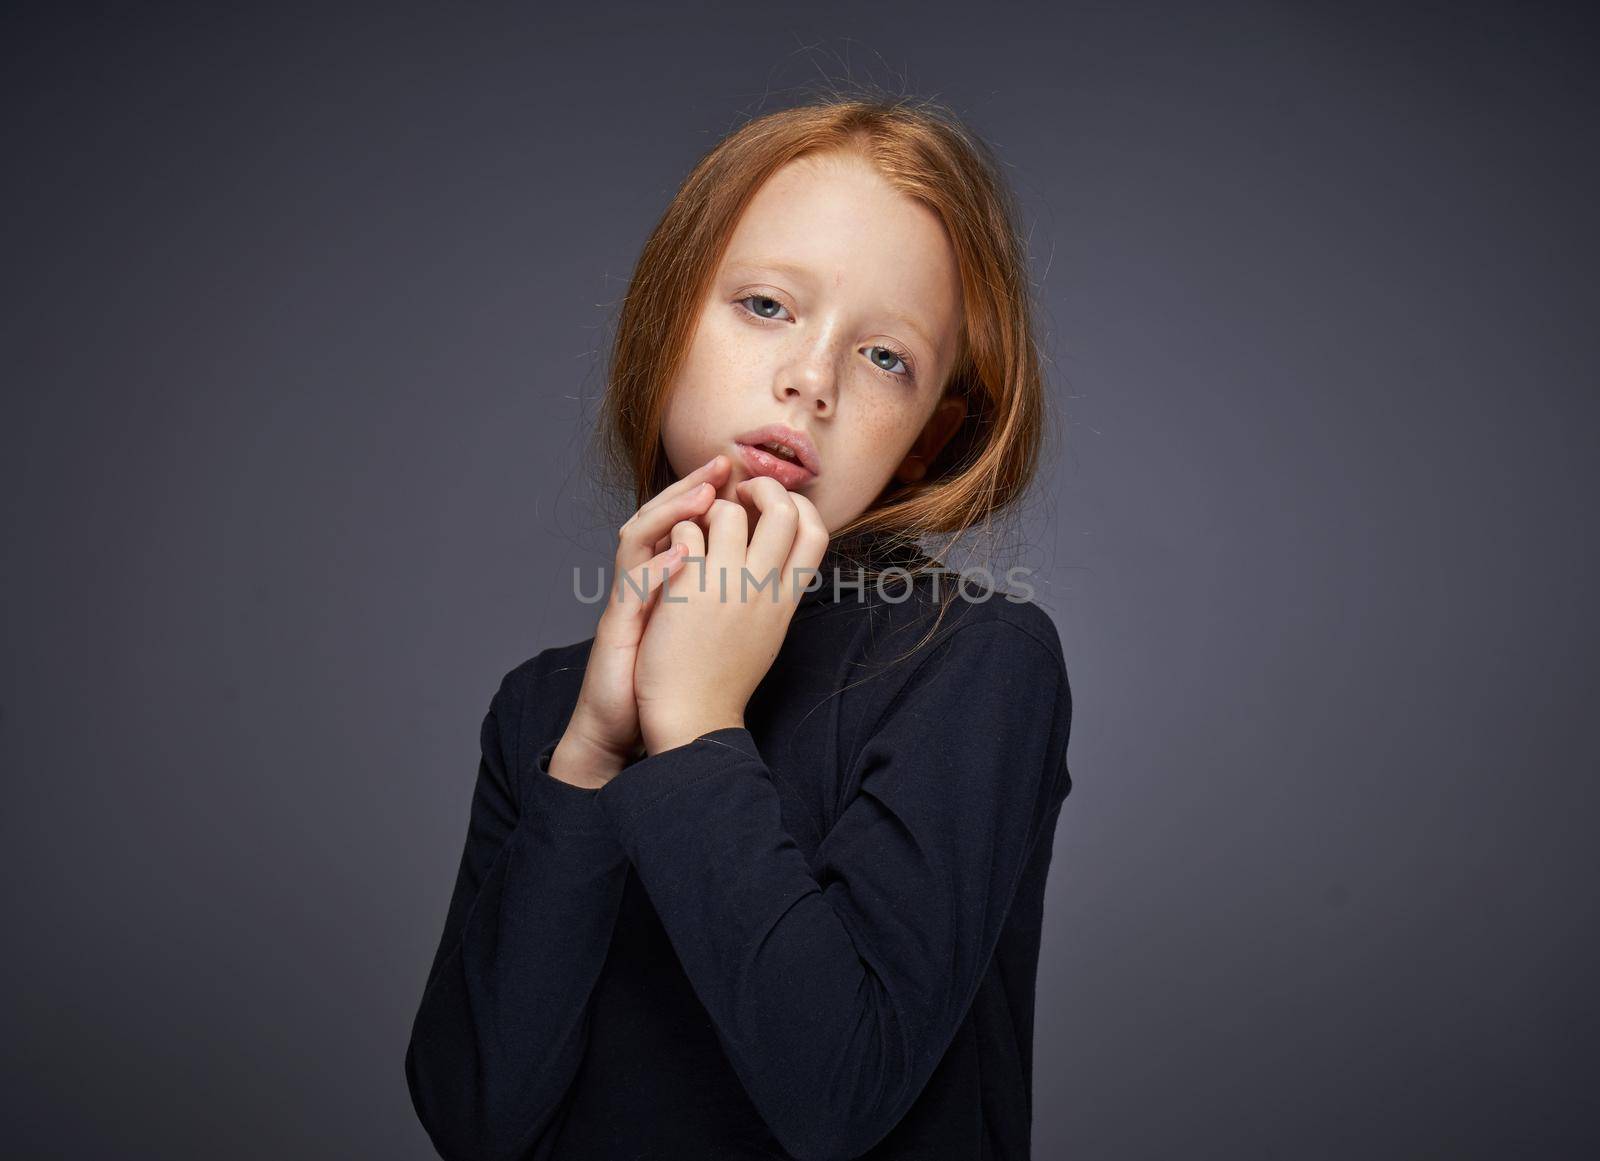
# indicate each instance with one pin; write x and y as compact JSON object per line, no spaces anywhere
{"x":603,"y":732}
{"x":703,"y":654}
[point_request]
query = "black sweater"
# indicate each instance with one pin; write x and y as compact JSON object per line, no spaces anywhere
{"x":815,"y":937}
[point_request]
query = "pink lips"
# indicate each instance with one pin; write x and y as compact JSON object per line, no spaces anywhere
{"x":763,"y":463}
{"x":760,"y":462}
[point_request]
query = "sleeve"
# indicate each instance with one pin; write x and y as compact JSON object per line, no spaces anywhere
{"x":503,"y":1019}
{"x":835,"y":993}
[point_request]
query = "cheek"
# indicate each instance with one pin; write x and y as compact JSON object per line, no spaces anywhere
{"x":886,"y":425}
{"x":698,"y":399}
{"x":685,"y":420}
{"x":712,"y":364}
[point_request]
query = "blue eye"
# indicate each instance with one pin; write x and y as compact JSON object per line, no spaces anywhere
{"x":896,"y":356}
{"x":761,"y":298}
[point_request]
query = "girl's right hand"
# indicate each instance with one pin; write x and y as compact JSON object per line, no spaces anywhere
{"x":603,"y":733}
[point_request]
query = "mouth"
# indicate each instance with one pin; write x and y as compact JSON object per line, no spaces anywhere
{"x":781,"y":452}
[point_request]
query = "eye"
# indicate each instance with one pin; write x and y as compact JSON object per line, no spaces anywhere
{"x":763,"y":299}
{"x":894,"y":357}
{"x":909,"y":374}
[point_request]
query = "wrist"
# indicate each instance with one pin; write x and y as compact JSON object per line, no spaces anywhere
{"x":582,"y":762}
{"x":670,"y":733}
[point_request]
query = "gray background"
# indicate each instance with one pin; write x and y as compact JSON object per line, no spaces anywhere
{"x":304,"y":318}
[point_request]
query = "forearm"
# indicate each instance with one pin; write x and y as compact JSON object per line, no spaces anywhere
{"x":502,"y":1025}
{"x":820,"y":1039}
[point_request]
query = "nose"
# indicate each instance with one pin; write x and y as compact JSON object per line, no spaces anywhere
{"x":811,"y":382}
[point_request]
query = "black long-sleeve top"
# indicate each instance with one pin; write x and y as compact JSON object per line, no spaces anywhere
{"x":812,"y":937}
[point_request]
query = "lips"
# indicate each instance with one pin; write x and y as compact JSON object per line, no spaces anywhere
{"x":760,"y":462}
{"x":791,"y":473}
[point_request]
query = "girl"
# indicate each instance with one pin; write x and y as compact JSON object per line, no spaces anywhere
{"x":745,"y":875}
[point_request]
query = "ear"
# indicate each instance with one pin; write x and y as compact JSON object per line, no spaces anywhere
{"x":941,"y":425}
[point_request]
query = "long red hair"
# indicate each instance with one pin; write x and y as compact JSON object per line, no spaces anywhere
{"x":926,"y":153}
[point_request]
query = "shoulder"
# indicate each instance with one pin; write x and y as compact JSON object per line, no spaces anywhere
{"x":1018,"y":618}
{"x":988,"y":687}
{"x":554,"y":665}
{"x":987,"y":619}
{"x":901,"y":635}
{"x":1003,"y":654}
{"x":1010,"y":646}
{"x":974,"y":646}
{"x":536,"y":696}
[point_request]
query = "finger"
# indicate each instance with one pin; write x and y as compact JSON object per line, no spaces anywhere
{"x":642,"y":533}
{"x":632,"y":594}
{"x":645,"y":532}
{"x":809,"y":547}
{"x":688,"y":542}
{"x":714,"y":471}
{"x":688,"y":535}
{"x":776,"y":525}
{"x":727,"y":534}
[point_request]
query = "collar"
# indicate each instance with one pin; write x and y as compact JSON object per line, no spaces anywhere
{"x":845,"y":564}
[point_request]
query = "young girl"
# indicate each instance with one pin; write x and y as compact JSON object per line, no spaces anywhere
{"x":760,"y":871}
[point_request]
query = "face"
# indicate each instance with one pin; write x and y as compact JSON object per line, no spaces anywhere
{"x":835,"y":312}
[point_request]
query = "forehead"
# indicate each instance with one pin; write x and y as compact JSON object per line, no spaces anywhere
{"x":837,"y":226}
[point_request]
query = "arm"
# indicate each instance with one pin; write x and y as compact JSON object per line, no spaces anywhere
{"x":836,"y":993}
{"x":503,"y":1019}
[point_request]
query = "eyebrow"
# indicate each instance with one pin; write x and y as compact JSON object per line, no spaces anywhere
{"x":794,"y":270}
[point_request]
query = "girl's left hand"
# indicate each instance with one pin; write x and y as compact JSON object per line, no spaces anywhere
{"x":703,"y":653}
